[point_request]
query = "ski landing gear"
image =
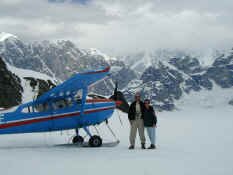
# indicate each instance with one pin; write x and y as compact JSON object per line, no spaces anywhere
{"x":95,"y":140}
{"x":77,"y":139}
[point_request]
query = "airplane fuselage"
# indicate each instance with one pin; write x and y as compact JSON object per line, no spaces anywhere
{"x":70,"y":117}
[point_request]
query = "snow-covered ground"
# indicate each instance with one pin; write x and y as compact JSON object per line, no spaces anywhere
{"x":191,"y":141}
{"x":217,"y":97}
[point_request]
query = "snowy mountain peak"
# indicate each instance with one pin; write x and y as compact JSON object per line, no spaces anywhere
{"x":94,"y":51}
{"x":4,"y":36}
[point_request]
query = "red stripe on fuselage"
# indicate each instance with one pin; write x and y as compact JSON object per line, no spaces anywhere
{"x":99,"y":71}
{"x":98,"y":100}
{"x":25,"y":122}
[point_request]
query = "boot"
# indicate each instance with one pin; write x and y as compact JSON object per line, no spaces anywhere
{"x":131,"y":147}
{"x":143,"y":146}
{"x":152,"y":146}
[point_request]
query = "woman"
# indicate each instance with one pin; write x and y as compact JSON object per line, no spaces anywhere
{"x":150,"y":121}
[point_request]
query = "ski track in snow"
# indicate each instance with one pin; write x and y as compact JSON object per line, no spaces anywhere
{"x":192,"y":141}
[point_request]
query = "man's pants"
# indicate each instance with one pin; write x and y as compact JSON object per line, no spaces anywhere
{"x":137,"y":124}
{"x":152,"y":134}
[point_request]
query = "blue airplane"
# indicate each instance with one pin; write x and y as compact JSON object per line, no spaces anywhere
{"x":63,"y":107}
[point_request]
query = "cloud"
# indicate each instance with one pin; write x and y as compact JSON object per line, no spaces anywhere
{"x":122,"y":27}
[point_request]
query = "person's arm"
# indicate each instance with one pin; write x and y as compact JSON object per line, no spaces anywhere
{"x":142,"y":106}
{"x":130,"y":112}
{"x":155,"y":120}
{"x":155,"y":117}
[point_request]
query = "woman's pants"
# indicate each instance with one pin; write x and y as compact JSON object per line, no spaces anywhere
{"x":151,"y":131}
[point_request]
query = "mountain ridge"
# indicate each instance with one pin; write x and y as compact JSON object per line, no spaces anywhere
{"x":164,"y":76}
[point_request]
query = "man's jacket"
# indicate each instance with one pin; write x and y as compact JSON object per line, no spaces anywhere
{"x":132,"y":110}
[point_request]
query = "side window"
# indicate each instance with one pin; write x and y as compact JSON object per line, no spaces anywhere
{"x":43,"y":107}
{"x":69,"y":102}
{"x":63,"y":103}
{"x":28,"y":109}
{"x":59,"y":104}
{"x":39,"y":107}
{"x":78,"y":97}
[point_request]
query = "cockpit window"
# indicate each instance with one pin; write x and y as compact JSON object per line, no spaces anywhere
{"x":78,"y":96}
{"x":27,"y":109}
{"x":63,"y":103}
{"x":43,"y":107}
{"x":59,"y":104}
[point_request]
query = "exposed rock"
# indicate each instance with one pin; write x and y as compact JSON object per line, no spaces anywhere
{"x":10,"y":87}
{"x":187,"y":64}
{"x":162,"y":86}
{"x":43,"y":85}
{"x":231,"y":102}
{"x":11,"y":90}
{"x":163,"y":76}
{"x":62,"y":59}
{"x":222,"y":71}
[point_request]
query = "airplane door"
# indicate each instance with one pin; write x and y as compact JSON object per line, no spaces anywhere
{"x":64,"y":111}
{"x":60,"y":109}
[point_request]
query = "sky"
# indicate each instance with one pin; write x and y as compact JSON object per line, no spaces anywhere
{"x":119,"y":27}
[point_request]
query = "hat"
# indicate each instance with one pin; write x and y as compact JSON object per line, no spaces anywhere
{"x":147,"y":100}
{"x":137,"y":94}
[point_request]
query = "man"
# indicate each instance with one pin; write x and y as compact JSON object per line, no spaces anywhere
{"x":135,"y":116}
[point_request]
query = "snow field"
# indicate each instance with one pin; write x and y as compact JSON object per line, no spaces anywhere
{"x":197,"y":141}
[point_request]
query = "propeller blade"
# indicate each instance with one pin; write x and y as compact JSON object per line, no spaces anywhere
{"x":118,"y":102}
{"x":115,"y":91}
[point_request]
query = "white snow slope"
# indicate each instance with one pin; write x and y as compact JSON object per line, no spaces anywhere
{"x":4,"y":36}
{"x":28,"y":93}
{"x":192,"y":141}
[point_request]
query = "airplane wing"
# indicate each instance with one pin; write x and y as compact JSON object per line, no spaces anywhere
{"x":73,"y":84}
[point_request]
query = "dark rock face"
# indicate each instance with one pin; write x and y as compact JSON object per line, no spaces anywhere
{"x":62,"y":59}
{"x":197,"y":82}
{"x":203,"y":81}
{"x":10,"y":87}
{"x":191,"y":67}
{"x":222,"y":71}
{"x":123,"y":75}
{"x":164,"y":86}
{"x":43,"y":85}
{"x":187,"y":64}
{"x":231,"y":102}
{"x":163,"y":81}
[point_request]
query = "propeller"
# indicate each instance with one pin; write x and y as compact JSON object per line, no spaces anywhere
{"x":115,"y":91}
{"x":118,"y":102}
